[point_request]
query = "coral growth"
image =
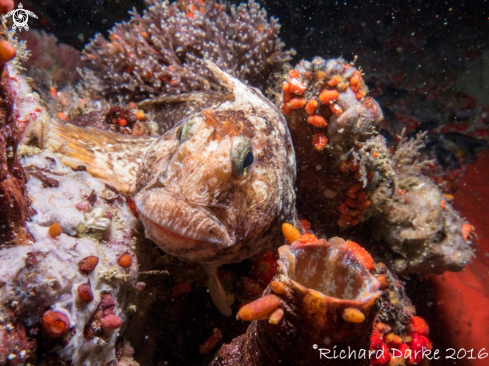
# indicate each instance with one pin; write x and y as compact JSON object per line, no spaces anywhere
{"x":163,"y":51}
{"x":322,"y":295}
{"x":425,"y":233}
{"x":50,"y":64}
{"x":360,"y":178}
{"x":409,"y":347}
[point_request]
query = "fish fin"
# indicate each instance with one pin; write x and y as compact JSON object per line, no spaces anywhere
{"x":112,"y":157}
{"x":194,"y":98}
{"x":221,"y":300}
{"x":225,"y":79}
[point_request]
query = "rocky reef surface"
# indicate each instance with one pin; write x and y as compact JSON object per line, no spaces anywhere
{"x":73,"y":254}
{"x":77,"y":276}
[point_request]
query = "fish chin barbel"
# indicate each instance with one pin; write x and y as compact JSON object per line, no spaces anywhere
{"x":214,"y":189}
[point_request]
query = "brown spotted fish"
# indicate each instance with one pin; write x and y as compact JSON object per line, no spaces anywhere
{"x":214,"y":189}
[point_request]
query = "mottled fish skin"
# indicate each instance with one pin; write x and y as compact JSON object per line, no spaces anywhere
{"x":201,"y":196}
{"x":191,"y":203}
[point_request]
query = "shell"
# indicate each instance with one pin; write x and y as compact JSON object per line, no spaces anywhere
{"x":323,"y":289}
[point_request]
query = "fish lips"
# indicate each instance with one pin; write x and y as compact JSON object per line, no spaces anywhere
{"x":174,"y":224}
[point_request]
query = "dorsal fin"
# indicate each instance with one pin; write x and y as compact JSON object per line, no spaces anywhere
{"x":224,"y":78}
{"x":109,"y":156}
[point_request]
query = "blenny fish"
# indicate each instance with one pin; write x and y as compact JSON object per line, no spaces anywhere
{"x":214,"y":189}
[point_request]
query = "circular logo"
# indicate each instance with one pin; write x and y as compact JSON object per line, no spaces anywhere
{"x":20,"y":17}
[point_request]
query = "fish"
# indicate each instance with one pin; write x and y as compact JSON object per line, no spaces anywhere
{"x":214,"y":189}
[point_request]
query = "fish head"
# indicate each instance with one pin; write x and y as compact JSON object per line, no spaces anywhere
{"x":216,"y":187}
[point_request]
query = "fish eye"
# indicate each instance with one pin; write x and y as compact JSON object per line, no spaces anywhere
{"x":178,"y":133}
{"x":243,"y":159}
{"x":183,"y":132}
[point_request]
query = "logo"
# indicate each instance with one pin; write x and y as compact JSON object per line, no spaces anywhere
{"x":20,"y":17}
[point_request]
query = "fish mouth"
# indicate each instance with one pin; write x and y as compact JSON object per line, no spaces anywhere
{"x":172,"y":221}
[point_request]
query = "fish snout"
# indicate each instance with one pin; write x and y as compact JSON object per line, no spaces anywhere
{"x":178,"y":226}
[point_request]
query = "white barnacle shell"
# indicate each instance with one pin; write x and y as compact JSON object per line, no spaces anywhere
{"x":96,"y":218}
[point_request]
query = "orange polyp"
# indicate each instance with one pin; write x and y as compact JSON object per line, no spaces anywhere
{"x":140,"y":115}
{"x":362,"y":196}
{"x":345,"y":217}
{"x":355,"y":78}
{"x":278,"y":287}
{"x":306,"y":225}
{"x":296,"y":87}
{"x":354,"y":166}
{"x":352,"y":194}
{"x":125,"y":261}
{"x":361,"y":255}
{"x":344,"y":166}
{"x":392,"y":340}
{"x":317,"y":121}
{"x":418,"y":325}
{"x":363,"y":205}
{"x":286,"y":87}
{"x":319,"y":141}
{"x":354,"y":188}
{"x":7,"y":51}
{"x":294,"y":73}
{"x":359,"y":95}
{"x":291,"y":233}
{"x":211,"y":342}
{"x":335,"y":80}
{"x":286,"y":109}
{"x":318,"y":75}
{"x":354,"y":213}
{"x":62,"y":116}
{"x":54,"y":230}
{"x":259,"y":308}
{"x":335,"y":108}
{"x":6,"y":6}
{"x":353,"y":315}
{"x":466,"y":230}
{"x":276,"y":316}
{"x":53,"y":91}
{"x":327,"y":96}
{"x":384,"y":283}
{"x":55,"y":323}
{"x":286,"y":97}
{"x":311,"y":106}
{"x":308,"y":239}
{"x":296,"y":103}
{"x":355,"y":88}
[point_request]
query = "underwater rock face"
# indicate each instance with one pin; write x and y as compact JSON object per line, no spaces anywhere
{"x":13,"y":198}
{"x":328,"y":298}
{"x":425,"y":235}
{"x":69,"y":258}
{"x":344,"y":161}
{"x":329,"y":117}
